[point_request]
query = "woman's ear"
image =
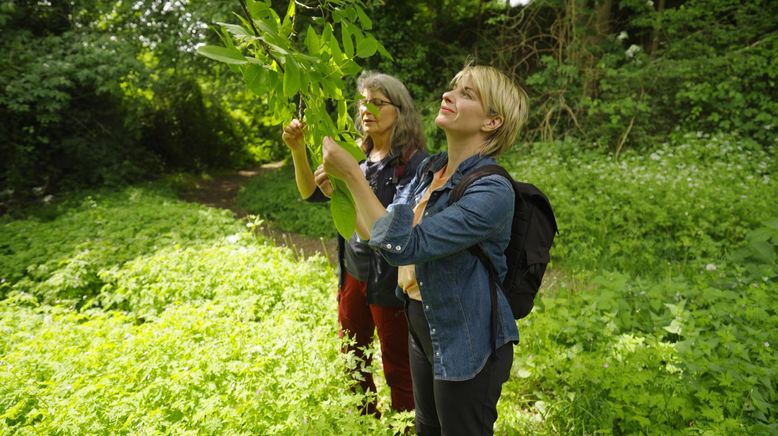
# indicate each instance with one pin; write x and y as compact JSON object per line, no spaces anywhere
{"x":491,"y":124}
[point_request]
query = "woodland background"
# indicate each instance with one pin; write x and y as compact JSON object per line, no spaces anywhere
{"x":124,"y":309}
{"x":109,"y":92}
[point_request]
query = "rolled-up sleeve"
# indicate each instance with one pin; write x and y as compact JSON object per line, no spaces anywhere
{"x":483,"y":212}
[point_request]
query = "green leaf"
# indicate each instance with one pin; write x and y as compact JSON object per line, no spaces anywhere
{"x":367,"y":47}
{"x":237,"y":31}
{"x":344,"y":214}
{"x":287,"y":27}
{"x":343,"y":117}
{"x":762,"y":251}
{"x":255,"y":76}
{"x":348,"y":44}
{"x":351,"y":146}
{"x":290,"y":10}
{"x":384,"y":53}
{"x":350,"y":68}
{"x":222,"y":54}
{"x":373,"y":109}
{"x":328,"y":40}
{"x":364,"y":20}
{"x":312,"y":41}
{"x":291,"y":77}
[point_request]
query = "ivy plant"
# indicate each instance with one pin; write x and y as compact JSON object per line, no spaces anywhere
{"x":301,"y":72}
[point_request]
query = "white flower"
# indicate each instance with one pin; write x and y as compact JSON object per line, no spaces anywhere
{"x":650,"y":3}
{"x":632,"y":51}
{"x":655,"y":156}
{"x":622,"y":36}
{"x":767,"y":344}
{"x":233,"y":239}
{"x":710,"y":267}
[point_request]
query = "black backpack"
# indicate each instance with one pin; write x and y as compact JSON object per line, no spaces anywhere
{"x":527,"y":254}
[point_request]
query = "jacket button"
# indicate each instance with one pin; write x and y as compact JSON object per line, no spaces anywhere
{"x":388,"y":245}
{"x":421,"y":284}
{"x":398,"y":248}
{"x":432,"y":331}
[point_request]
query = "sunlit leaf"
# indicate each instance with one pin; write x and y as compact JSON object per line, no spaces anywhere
{"x":291,"y":77}
{"x":342,"y":209}
{"x":367,"y":47}
{"x":348,"y":44}
{"x":222,"y":54}
{"x":312,"y":41}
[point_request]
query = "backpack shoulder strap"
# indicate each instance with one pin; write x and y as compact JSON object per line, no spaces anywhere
{"x":472,"y":176}
{"x":459,"y":190}
{"x":476,"y":250}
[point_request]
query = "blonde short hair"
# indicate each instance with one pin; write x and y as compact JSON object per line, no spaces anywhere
{"x":501,"y":97}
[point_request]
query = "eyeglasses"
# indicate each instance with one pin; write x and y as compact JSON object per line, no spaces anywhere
{"x":377,"y":102}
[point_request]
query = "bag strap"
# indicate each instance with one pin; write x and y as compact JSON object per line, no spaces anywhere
{"x":476,"y":250}
{"x":402,"y":162}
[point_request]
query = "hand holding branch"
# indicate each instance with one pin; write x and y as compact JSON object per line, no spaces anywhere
{"x":293,"y":136}
{"x":337,"y":162}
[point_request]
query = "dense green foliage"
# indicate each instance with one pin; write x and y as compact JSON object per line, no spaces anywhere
{"x":106,"y":92}
{"x":682,"y":203}
{"x":190,"y":324}
{"x":133,"y":311}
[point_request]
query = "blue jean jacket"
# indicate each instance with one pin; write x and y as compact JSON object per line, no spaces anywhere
{"x":454,"y":284}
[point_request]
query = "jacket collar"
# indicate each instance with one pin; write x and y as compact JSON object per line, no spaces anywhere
{"x":440,"y":160}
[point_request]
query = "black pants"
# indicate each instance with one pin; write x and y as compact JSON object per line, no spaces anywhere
{"x":448,"y":408}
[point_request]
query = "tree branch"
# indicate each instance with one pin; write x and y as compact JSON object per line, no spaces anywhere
{"x":259,"y":38}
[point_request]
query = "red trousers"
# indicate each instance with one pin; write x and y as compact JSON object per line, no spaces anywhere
{"x":359,"y":319}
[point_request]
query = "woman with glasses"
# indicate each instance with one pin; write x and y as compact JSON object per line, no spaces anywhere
{"x":393,"y":143}
{"x":458,"y":362}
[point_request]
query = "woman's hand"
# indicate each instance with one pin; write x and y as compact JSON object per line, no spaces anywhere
{"x":293,"y":136}
{"x":323,"y":181}
{"x":337,"y":162}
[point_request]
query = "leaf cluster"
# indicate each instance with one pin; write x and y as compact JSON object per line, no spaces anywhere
{"x":283,"y":66}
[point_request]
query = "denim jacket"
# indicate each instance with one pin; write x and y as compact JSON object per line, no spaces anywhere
{"x":454,"y":284}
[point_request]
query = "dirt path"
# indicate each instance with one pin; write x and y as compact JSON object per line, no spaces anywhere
{"x":221,"y":191}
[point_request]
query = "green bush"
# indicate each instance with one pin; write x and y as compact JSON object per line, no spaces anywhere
{"x":209,"y":366}
{"x":624,"y":355}
{"x":63,"y":255}
{"x":184,"y":321}
{"x":682,"y":204}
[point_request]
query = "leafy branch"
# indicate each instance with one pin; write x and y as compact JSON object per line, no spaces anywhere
{"x":304,"y":71}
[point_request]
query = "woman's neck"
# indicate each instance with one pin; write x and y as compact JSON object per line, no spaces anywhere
{"x":380,"y":149}
{"x":461,"y":148}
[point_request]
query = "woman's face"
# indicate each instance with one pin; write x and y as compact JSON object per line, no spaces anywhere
{"x":386,"y":115}
{"x":461,"y":109}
